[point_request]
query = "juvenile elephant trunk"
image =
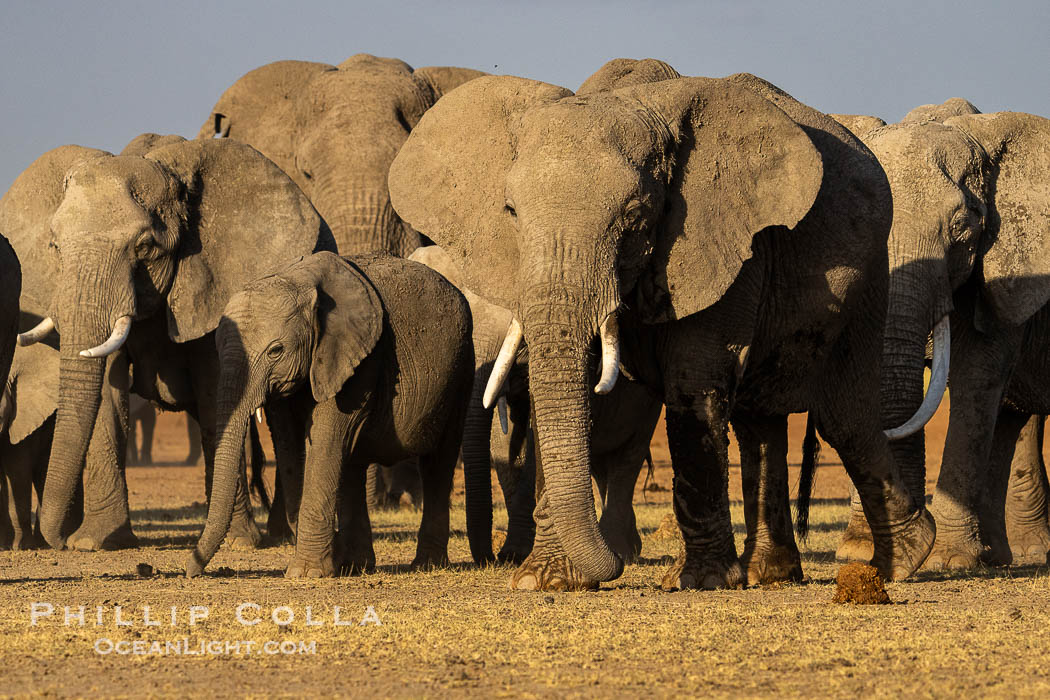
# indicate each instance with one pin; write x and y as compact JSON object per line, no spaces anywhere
{"x":99,"y":292}
{"x":236,"y":404}
{"x":559,"y":380}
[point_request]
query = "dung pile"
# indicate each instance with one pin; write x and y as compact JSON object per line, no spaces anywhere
{"x":860,"y":584}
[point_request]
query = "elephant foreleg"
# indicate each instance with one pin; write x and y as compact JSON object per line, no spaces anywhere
{"x":289,"y":446}
{"x":1027,"y":529}
{"x":770,"y":553}
{"x":992,"y":504}
{"x":699,"y":445}
{"x":107,"y":522}
{"x":354,"y":553}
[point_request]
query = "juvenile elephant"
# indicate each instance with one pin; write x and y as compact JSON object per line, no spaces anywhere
{"x":132,"y":258}
{"x":335,"y":131}
{"x":724,"y":243}
{"x":27,"y":411}
{"x":623,"y":424}
{"x":966,"y":247}
{"x":357,"y":360}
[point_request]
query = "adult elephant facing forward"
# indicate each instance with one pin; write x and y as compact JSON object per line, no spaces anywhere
{"x":140,"y":253}
{"x":730,"y":256}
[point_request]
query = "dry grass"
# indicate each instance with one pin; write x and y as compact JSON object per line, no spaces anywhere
{"x":461,"y":629}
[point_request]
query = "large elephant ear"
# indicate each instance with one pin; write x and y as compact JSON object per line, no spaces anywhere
{"x":1016,"y":264}
{"x":32,"y":390}
{"x":241,"y":106}
{"x":625,"y":72}
{"x":348,"y":318}
{"x":448,"y":181}
{"x":444,"y":79}
{"x":246,"y":219}
{"x":25,"y":218}
{"x":740,"y":165}
{"x":144,"y":143}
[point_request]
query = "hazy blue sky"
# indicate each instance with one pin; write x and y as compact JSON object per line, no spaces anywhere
{"x":99,"y":73}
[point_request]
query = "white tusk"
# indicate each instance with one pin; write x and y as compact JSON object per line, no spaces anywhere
{"x":37,"y":332}
{"x":501,"y":411}
{"x":259,"y":415}
{"x":508,"y":352}
{"x":942,"y":346}
{"x":120,"y":333}
{"x":610,"y":356}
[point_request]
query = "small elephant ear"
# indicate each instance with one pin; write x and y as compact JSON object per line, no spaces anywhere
{"x":740,"y":165}
{"x":448,"y":181}
{"x":32,"y":390}
{"x":144,"y":143}
{"x":625,"y":72}
{"x":444,"y":79}
{"x":348,"y":318}
{"x":1016,"y":266}
{"x":25,"y":218}
{"x":246,"y":220}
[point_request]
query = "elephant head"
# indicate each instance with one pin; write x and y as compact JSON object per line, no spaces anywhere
{"x":568,"y":210}
{"x":314,"y":322}
{"x":174,"y":233}
{"x":335,"y":131}
{"x":970,"y":205}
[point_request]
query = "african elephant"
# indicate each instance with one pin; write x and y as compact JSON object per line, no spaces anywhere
{"x":362,"y":359}
{"x":966,"y":247}
{"x":132,"y":259}
{"x":623,"y":427}
{"x":335,"y":130}
{"x":27,"y":410}
{"x":721,"y":241}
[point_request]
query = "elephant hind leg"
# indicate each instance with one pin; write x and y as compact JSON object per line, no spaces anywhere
{"x":436,"y":471}
{"x":770,"y":553}
{"x":620,"y":469}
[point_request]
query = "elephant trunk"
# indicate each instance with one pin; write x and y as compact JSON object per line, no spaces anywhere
{"x":361,"y":217}
{"x":238,"y":399}
{"x":477,"y":472}
{"x":99,"y":292}
{"x":914,"y":306}
{"x":559,"y":336}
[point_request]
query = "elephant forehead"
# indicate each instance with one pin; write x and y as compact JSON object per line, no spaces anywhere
{"x":925,"y":157}
{"x":588,"y":125}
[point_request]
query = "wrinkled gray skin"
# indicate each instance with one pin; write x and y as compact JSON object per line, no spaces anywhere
{"x":571,"y":209}
{"x":623,"y":427}
{"x":27,"y":410}
{"x":970,"y":205}
{"x":154,"y":237}
{"x":920,"y":250}
{"x":335,"y":131}
{"x":357,"y":360}
{"x":10,"y":290}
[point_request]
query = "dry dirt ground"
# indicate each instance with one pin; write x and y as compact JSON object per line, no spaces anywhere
{"x":448,"y":631}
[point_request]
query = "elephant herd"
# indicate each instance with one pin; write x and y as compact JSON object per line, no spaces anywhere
{"x":420,"y":267}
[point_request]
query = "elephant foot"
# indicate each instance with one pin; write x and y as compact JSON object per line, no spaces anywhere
{"x":305,"y":567}
{"x":552,"y":572}
{"x":514,"y":552}
{"x":997,"y":553}
{"x":766,"y":563}
{"x":857,"y":544}
{"x":100,"y":532}
{"x":906,"y":547}
{"x":354,"y":554}
{"x":1030,"y":542}
{"x":24,"y":540}
{"x":625,"y":542}
{"x":692,"y":571}
{"x":425,"y":561}
{"x":244,"y":534}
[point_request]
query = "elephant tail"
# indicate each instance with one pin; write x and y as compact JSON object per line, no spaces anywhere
{"x":810,"y":455}
{"x":648,"y":475}
{"x":257,"y":462}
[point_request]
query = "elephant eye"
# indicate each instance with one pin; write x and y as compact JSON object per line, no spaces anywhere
{"x":145,"y":246}
{"x":509,"y":206}
{"x":275,"y":351}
